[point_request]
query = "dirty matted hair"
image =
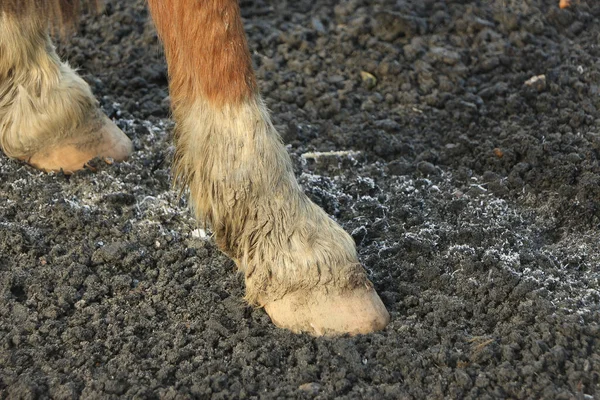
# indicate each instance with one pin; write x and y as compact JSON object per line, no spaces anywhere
{"x":62,"y":15}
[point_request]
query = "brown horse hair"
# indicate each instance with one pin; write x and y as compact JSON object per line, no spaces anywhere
{"x":206,"y":50}
{"x":203,"y":35}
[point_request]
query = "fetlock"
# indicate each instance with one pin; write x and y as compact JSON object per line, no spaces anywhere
{"x":307,"y":250}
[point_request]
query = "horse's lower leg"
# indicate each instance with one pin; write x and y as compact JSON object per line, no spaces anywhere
{"x":298,"y":263}
{"x":48,"y":115}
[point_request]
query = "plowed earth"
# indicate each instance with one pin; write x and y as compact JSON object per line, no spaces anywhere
{"x":473,"y":195}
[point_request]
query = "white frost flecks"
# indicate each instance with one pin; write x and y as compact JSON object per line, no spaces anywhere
{"x":318,"y":154}
{"x":508,"y":237}
{"x":200,"y":234}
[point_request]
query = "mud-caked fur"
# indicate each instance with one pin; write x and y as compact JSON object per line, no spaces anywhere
{"x":42,"y":100}
{"x":242,"y":183}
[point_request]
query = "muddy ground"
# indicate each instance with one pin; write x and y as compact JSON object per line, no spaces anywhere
{"x":473,"y":197}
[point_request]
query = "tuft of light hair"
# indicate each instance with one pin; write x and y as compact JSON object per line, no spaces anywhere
{"x":61,"y":15}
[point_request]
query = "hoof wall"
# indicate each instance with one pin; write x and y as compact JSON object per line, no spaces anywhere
{"x":72,"y":155}
{"x":318,"y":313}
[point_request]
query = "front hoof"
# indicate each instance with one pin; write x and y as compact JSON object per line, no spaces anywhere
{"x":356,"y":311}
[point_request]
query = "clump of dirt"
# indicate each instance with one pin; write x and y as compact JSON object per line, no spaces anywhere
{"x":471,"y":190}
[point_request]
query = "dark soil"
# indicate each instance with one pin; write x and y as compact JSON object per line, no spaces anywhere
{"x":474,"y":199}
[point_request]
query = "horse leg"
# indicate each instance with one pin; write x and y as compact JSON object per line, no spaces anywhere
{"x":48,"y":115}
{"x":298,"y":263}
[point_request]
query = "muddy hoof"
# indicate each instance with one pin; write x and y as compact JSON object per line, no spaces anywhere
{"x":107,"y":140}
{"x":318,"y":313}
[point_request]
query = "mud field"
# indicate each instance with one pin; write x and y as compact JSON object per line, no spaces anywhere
{"x":473,"y":197}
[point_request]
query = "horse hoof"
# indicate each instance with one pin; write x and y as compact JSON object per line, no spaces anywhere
{"x":356,"y":311}
{"x":107,"y":141}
